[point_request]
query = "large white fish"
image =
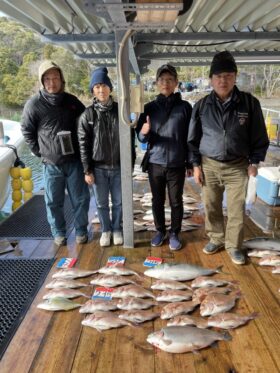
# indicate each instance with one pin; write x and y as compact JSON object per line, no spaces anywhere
{"x":182,"y":320}
{"x":62,"y":283}
{"x":172,"y":295}
{"x":179,"y":339}
{"x":179,"y":272}
{"x":93,"y":305}
{"x":132,"y":303}
{"x":270,"y":260}
{"x":58,"y":304}
{"x":169,"y":284}
{"x":177,"y":308}
{"x":64,"y":293}
{"x":111,"y":280}
{"x":216,"y":303}
{"x":71,"y":273}
{"x":229,"y":320}
{"x":105,"y":321}
{"x":138,"y":316}
{"x":204,"y":282}
{"x":262,"y":243}
{"x":117,"y":270}
{"x":131,"y":291}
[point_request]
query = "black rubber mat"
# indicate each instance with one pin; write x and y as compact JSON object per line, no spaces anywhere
{"x":20,"y":280}
{"x":30,"y":221}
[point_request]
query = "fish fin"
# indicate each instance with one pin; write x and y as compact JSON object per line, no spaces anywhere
{"x":226,"y":336}
{"x":167,"y":342}
{"x":219,"y":270}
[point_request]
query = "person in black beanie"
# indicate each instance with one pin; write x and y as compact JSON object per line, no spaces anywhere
{"x":99,"y":142}
{"x":227,"y":140}
{"x":164,"y":125}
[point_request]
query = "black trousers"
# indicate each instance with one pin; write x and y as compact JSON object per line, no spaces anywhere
{"x":173,"y":178}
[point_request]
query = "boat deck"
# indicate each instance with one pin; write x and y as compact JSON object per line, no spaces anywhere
{"x":50,"y":342}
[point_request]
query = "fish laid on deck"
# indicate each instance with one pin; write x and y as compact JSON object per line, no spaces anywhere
{"x":132,"y":303}
{"x":111,"y":280}
{"x":64,"y":293}
{"x":205,"y":282}
{"x":182,"y":320}
{"x":172,"y":295}
{"x":276,"y":270}
{"x":177,"y":308}
{"x":58,"y":304}
{"x":169,"y":284}
{"x":270,"y":260}
{"x":93,"y":305}
{"x":117,"y":270}
{"x":179,"y":339}
{"x":216,"y":303}
{"x":229,"y":320}
{"x":179,"y":272}
{"x":261,"y":253}
{"x":201,"y":293}
{"x":132,"y":291}
{"x":68,"y":284}
{"x":71,"y":273}
{"x":262,"y":243}
{"x":104,"y":321}
{"x":138,"y":316}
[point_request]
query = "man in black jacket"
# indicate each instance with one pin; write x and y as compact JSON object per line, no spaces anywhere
{"x":49,"y":125}
{"x":227,"y":140}
{"x":164,"y":125}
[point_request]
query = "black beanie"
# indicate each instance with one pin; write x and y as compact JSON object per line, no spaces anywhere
{"x":100,"y":76}
{"x":223,"y":62}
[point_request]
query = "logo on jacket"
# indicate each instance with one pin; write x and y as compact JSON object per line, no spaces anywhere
{"x":242,"y":118}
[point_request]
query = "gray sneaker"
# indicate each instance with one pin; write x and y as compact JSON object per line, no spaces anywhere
{"x":82,"y":239}
{"x":60,"y":240}
{"x":212,"y":248}
{"x":237,"y":256}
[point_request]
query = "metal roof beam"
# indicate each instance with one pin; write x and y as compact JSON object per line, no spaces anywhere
{"x":177,"y":36}
{"x":96,"y":56}
{"x":178,"y":55}
{"x":78,"y":38}
{"x":239,"y":62}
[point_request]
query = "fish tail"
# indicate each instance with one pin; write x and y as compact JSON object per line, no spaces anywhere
{"x":226,"y":336}
{"x":254,"y":315}
{"x":219,"y":270}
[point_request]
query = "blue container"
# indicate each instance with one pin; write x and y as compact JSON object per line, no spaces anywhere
{"x":268,"y":180}
{"x":143,"y":146}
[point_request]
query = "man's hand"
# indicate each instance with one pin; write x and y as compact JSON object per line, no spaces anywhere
{"x":252,"y":170}
{"x":189,"y":172}
{"x":89,"y":179}
{"x":198,"y":175}
{"x":146,"y":126}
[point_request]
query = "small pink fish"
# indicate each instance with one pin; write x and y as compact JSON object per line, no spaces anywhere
{"x":93,"y":305}
{"x":261,"y":253}
{"x":228,"y":320}
{"x":169,"y":284}
{"x":205,"y":281}
{"x":104,"y":321}
{"x":132,"y":303}
{"x":201,"y":293}
{"x":177,"y":308}
{"x":276,"y":270}
{"x":110,"y":280}
{"x":132,"y":291}
{"x":270,"y":260}
{"x":216,"y":303}
{"x":174,"y":295}
{"x":188,"y":320}
{"x":138,"y":316}
{"x":64,"y":293}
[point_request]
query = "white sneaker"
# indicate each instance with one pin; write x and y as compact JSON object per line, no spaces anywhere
{"x":117,"y":238}
{"x":105,"y":239}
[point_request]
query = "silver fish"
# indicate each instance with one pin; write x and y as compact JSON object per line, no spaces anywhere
{"x":216,"y":303}
{"x":105,"y":321}
{"x":58,"y":304}
{"x":177,"y":308}
{"x":182,"y":320}
{"x":261,"y":253}
{"x":180,"y":339}
{"x":93,"y":305}
{"x":62,"y":283}
{"x":169,"y":284}
{"x":270,"y":260}
{"x":131,"y":303}
{"x":276,"y":270}
{"x":172,"y":295}
{"x":204,"y":282}
{"x":71,"y":273}
{"x":131,"y":291}
{"x":179,"y":272}
{"x":262,"y":243}
{"x":228,"y":320}
{"x":117,"y":270}
{"x":138,"y":316}
{"x":64,"y":293}
{"x":111,"y":280}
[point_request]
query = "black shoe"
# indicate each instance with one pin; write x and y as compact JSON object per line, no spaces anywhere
{"x":237,"y":256}
{"x":212,"y":248}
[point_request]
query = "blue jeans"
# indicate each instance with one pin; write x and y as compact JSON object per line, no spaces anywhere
{"x":57,"y":178}
{"x":108,"y":182}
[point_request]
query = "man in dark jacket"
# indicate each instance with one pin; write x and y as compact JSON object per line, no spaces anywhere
{"x":164,"y":125}
{"x":49,"y":125}
{"x":227,"y":140}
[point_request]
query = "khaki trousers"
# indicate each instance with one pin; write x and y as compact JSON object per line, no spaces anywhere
{"x":231,"y":177}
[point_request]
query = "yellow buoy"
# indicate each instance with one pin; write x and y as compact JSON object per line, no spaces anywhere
{"x":16,"y":196}
{"x":16,"y":184}
{"x":26,"y":173}
{"x":15,"y":172}
{"x":27,"y":196}
{"x":16,"y":205}
{"x":27,"y":185}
